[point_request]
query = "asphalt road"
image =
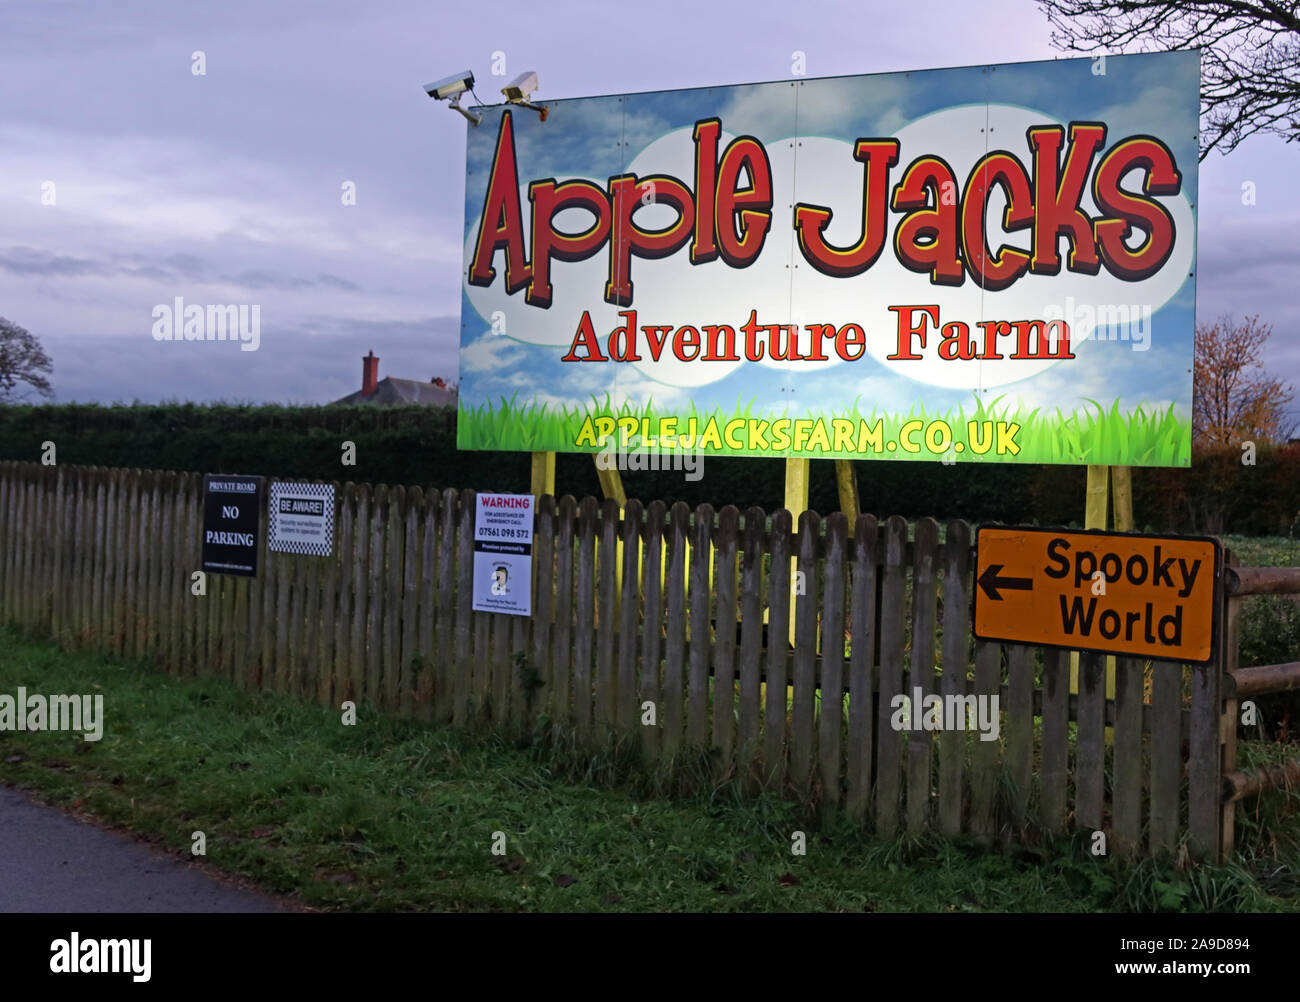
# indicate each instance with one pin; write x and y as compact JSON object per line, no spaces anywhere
{"x":52,"y":863}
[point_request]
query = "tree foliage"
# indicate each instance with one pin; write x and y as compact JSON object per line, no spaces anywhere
{"x":22,"y":360}
{"x":1250,"y":61}
{"x":1233,"y":397}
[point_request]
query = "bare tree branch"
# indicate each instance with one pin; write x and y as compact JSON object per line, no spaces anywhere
{"x":1250,"y":59}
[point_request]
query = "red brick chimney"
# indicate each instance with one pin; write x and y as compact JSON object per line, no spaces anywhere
{"x":369,"y":373}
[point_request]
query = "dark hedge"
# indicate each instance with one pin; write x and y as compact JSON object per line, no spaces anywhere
{"x":417,"y":445}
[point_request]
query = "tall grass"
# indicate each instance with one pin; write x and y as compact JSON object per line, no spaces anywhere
{"x":1097,"y":435}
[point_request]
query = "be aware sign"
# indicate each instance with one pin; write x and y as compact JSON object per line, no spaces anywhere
{"x":987,"y":264}
{"x":1147,"y":596}
{"x":302,"y":519}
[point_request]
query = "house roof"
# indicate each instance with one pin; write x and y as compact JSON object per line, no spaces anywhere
{"x":390,"y":392}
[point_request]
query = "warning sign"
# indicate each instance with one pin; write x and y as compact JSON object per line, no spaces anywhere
{"x":503,"y":554}
{"x":1118,"y":593}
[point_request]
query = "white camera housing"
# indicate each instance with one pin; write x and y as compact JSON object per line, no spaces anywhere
{"x":449,"y":86}
{"x":520,"y":89}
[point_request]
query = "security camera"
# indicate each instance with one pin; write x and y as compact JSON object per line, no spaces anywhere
{"x":520,"y":89}
{"x":452,"y":87}
{"x":440,"y":90}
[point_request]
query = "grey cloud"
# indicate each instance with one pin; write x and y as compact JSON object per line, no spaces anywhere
{"x":258,"y":279}
{"x":185,"y":266}
{"x":28,"y":261}
{"x":31,"y":261}
{"x":324,"y":278}
{"x":313,"y":362}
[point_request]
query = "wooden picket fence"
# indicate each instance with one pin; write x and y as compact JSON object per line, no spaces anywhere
{"x":653,"y":609}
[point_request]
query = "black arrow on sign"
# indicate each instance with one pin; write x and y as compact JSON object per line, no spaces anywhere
{"x":990,"y":582}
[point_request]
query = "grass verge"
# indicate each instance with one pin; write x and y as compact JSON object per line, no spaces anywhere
{"x":395,"y":815}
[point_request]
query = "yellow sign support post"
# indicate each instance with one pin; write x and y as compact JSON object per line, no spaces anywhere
{"x":543,"y":474}
{"x":847,"y":481}
{"x":797,"y":473}
{"x":1103,"y":480}
{"x":797,"y":476}
{"x":611,"y":485}
{"x":1121,"y":479}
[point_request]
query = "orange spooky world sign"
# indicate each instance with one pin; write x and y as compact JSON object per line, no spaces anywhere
{"x":1118,"y":593}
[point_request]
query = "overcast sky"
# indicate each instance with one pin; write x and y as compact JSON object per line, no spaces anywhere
{"x":227,"y":187}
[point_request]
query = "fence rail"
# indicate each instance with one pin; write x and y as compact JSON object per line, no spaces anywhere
{"x":663,"y":609}
{"x":1255,"y":680}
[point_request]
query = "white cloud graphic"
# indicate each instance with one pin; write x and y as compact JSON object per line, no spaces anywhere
{"x":490,"y":353}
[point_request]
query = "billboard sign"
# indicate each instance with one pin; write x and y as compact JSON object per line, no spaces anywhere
{"x":993,"y":263}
